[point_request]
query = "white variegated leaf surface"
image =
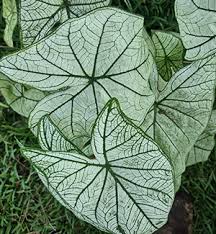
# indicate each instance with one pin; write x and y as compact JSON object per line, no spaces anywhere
{"x":50,"y":138}
{"x":101,"y":55}
{"x":128,"y":186}
{"x":205,"y":143}
{"x":38,"y":18}
{"x":182,"y":110}
{"x":197,"y":24}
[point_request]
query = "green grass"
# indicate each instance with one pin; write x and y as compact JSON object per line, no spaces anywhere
{"x":25,"y":204}
{"x":200,"y":182}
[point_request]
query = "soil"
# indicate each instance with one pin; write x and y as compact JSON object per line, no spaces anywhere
{"x":180,"y":217}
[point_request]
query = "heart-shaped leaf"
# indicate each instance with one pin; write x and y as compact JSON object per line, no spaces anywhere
{"x":182,"y":110}
{"x":127,"y":188}
{"x":205,"y":143}
{"x":169,"y":53}
{"x":39,"y":18}
{"x":102,"y":45}
{"x":196,"y":19}
{"x":101,"y":55}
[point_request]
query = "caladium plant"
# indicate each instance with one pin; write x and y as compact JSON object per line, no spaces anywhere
{"x":117,"y":114}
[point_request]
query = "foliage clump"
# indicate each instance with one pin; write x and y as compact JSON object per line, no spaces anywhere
{"x":118,"y":113}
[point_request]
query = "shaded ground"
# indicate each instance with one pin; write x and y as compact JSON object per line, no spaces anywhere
{"x":180,"y":218}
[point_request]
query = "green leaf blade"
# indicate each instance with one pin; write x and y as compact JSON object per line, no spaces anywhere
{"x":10,"y":16}
{"x":169,"y":53}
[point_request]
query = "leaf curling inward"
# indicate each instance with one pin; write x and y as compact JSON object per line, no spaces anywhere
{"x":127,"y":188}
{"x":39,"y":18}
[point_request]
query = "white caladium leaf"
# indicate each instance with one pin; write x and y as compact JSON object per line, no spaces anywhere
{"x":169,"y":53}
{"x":103,"y":45}
{"x":128,"y":187}
{"x":20,"y":98}
{"x":197,"y":24}
{"x":101,"y":55}
{"x":182,"y":110}
{"x":38,"y":18}
{"x":10,"y":16}
{"x":205,"y":143}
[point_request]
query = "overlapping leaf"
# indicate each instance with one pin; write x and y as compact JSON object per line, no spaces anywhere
{"x":10,"y":16}
{"x":50,"y":138}
{"x":182,"y":111}
{"x":127,"y":188}
{"x":169,"y":53}
{"x":38,"y":18}
{"x":197,"y":24}
{"x":101,"y":55}
{"x":20,"y":98}
{"x":205,"y":143}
